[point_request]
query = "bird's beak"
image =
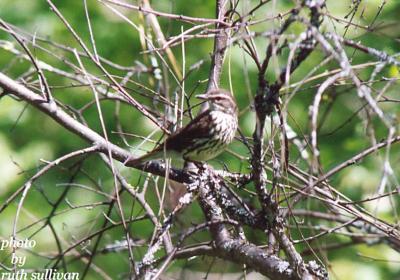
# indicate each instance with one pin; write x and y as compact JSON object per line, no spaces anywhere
{"x":202,"y":96}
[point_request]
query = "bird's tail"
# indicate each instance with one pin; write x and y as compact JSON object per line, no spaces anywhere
{"x":153,"y":155}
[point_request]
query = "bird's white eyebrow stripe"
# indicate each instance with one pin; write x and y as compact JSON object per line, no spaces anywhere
{"x":220,"y":95}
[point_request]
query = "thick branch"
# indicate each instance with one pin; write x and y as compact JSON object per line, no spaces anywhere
{"x":220,"y":43}
{"x":237,"y":250}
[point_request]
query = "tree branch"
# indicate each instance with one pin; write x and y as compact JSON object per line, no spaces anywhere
{"x":60,"y":116}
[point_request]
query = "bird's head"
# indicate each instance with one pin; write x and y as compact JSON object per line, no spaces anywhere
{"x":220,"y":100}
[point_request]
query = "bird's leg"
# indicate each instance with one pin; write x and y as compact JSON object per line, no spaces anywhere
{"x":195,"y":166}
{"x":200,"y":165}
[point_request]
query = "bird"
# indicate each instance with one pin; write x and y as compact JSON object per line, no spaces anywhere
{"x":203,"y":138}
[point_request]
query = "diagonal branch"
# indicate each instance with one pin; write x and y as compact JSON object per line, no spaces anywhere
{"x":60,"y":116}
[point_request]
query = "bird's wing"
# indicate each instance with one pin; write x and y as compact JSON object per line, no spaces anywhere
{"x":198,"y":128}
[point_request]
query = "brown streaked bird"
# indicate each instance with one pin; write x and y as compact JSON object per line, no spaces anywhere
{"x":206,"y":136}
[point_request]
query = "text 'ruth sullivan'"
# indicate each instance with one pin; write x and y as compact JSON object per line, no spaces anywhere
{"x":48,"y":274}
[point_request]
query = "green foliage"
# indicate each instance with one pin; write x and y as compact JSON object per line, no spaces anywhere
{"x":28,"y":137}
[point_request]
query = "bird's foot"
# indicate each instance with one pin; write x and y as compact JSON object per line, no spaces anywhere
{"x":202,"y":166}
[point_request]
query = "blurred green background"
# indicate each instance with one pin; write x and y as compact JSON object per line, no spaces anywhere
{"x":27,"y":137}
